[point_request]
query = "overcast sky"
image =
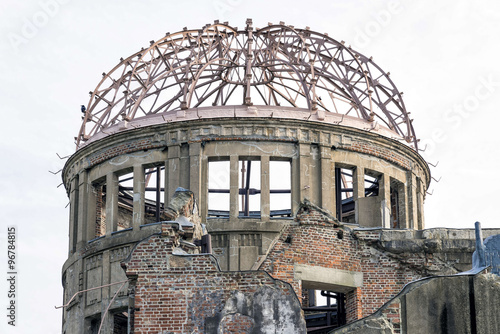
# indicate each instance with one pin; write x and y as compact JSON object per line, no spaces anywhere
{"x":444,"y":55}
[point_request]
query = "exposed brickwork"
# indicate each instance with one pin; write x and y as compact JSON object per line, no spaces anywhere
{"x":188,"y":294}
{"x":122,"y":148}
{"x":236,"y":324}
{"x":379,"y":152}
{"x":393,"y":314}
{"x":319,"y":240}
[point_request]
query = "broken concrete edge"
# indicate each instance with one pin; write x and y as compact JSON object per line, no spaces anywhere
{"x":308,"y":204}
{"x":260,"y":260}
{"x":123,"y":263}
{"x":304,"y":204}
{"x":161,"y":234}
{"x":406,"y":289}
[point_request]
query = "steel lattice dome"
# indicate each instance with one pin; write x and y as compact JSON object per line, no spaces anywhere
{"x":219,"y":65}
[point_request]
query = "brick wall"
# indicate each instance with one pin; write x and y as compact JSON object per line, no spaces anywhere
{"x":189,"y":294}
{"x":319,"y":240}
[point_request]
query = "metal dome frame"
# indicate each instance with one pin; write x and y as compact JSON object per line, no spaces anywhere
{"x":278,"y":65}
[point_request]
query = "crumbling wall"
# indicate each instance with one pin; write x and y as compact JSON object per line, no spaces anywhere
{"x":179,"y":293}
{"x":441,"y":305}
{"x":369,"y":265}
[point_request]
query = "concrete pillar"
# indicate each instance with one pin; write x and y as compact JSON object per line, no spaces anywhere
{"x":265,"y":208}
{"x":304,"y":172}
{"x":107,"y":322}
{"x":420,"y":204}
{"x":233,"y":187}
{"x":403,"y":205}
{"x":184,"y":170}
{"x":73,"y":214}
{"x":385,"y":200}
{"x":295,"y":184}
{"x":412,"y":200}
{"x":195,"y":170}
{"x":91,"y":208}
{"x":358,"y":189}
{"x":234,"y":252}
{"x":111,"y":203}
{"x":327,"y":179}
{"x":166,"y":184}
{"x":314,"y":171}
{"x":173,"y":166}
{"x":203,"y":200}
{"x":84,"y":189}
{"x":139,"y":197}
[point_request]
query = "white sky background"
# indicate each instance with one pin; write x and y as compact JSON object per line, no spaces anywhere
{"x":444,"y":55}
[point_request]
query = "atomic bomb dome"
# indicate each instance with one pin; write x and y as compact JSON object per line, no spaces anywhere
{"x":279,"y":71}
{"x":221,"y":170}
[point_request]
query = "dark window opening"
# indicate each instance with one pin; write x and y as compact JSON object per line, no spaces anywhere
{"x":120,"y":323}
{"x":323,"y":310}
{"x":280,"y":185}
{"x":93,"y":325}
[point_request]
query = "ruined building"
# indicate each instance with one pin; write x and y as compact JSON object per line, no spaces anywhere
{"x":250,"y":180}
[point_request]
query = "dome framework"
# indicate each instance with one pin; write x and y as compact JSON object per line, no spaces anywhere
{"x":219,"y":65}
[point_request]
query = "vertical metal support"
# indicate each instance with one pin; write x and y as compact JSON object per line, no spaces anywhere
{"x":338,"y":193}
{"x":265,"y":196}
{"x":111,"y":203}
{"x":358,"y":185}
{"x":233,"y":187}
{"x":249,"y":59}
{"x":158,"y":192}
{"x":247,"y":188}
{"x":139,"y":197}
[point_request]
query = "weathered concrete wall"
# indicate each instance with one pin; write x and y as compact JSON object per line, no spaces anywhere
{"x":442,"y":305}
{"x":189,"y":294}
